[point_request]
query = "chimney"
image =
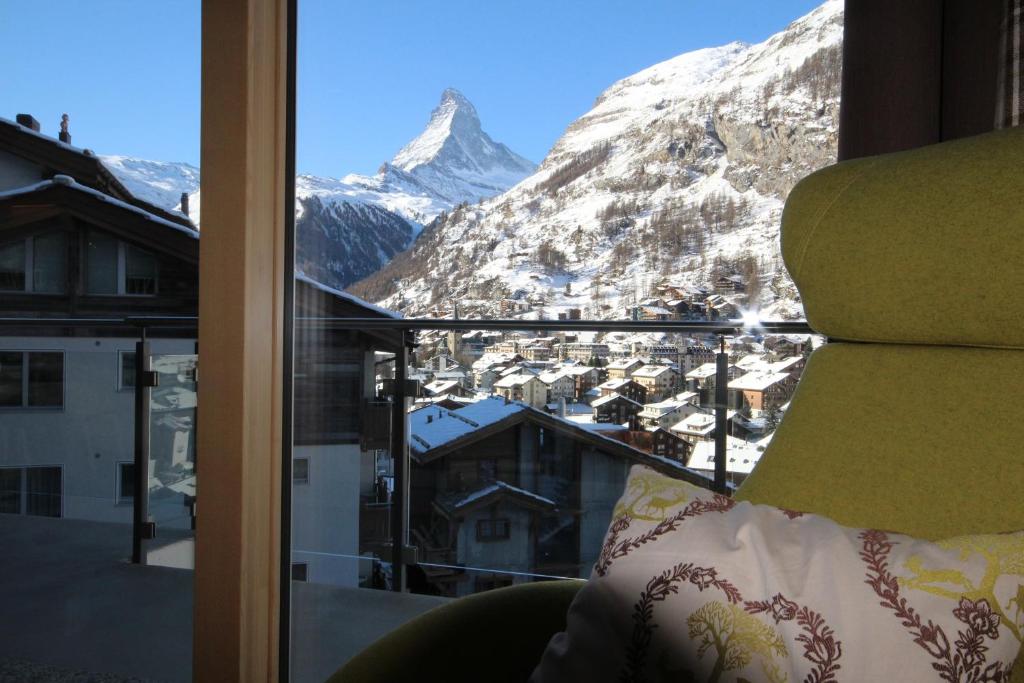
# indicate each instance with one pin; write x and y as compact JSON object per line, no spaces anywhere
{"x":64,"y":135}
{"x":28,"y":121}
{"x":184,"y":203}
{"x":561,"y":406}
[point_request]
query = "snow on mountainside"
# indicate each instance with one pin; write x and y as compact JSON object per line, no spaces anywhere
{"x":456,"y":158}
{"x":350,"y":228}
{"x":157,"y":182}
{"x":677,"y":175}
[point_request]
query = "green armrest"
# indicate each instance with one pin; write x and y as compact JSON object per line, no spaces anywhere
{"x":497,"y":636}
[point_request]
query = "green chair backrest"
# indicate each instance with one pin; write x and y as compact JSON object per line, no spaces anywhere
{"x":912,"y":418}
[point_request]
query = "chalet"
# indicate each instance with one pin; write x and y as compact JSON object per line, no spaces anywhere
{"x":696,"y":427}
{"x":703,"y":379}
{"x":559,"y":385}
{"x":719,"y":308}
{"x":761,"y":392}
{"x":522,"y":387}
{"x":624,"y":368}
{"x":695,"y":356}
{"x":668,"y":444}
{"x":586,"y":379}
{"x":659,"y":380}
{"x":629,"y":388}
{"x":741,"y":458}
{"x":76,"y":244}
{"x":616,"y":409}
{"x":650,"y":313}
{"x":730,"y":284}
{"x":665,"y":413}
{"x":536,"y":352}
{"x":514,"y":479}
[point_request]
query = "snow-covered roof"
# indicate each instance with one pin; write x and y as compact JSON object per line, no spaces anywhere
{"x":651,"y":370}
{"x":514,"y":380}
{"x":615,"y":384}
{"x":612,"y":397}
{"x":551,"y":377}
{"x":440,"y":387}
{"x":345,"y":296}
{"x":700,"y":424}
{"x":69,"y":182}
{"x":662,"y":407}
{"x":502,"y":487}
{"x":579,"y":371}
{"x":741,"y":456}
{"x":757,"y":381}
{"x":703,"y":371}
{"x":434,"y":426}
{"x":624,"y":363}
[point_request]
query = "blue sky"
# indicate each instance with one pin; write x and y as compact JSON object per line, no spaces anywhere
{"x":127,"y":71}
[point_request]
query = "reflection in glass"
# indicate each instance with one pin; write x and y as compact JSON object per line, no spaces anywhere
{"x":140,"y":271}
{"x":12,"y":267}
{"x":11,"y":368}
{"x":49,"y":263}
{"x":45,"y":379}
{"x":100,"y":264}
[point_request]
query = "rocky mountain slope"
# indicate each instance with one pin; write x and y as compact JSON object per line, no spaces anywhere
{"x":677,"y":174}
{"x":351,"y":227}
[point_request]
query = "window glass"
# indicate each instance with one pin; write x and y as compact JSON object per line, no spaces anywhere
{"x":10,"y":490}
{"x":140,"y":271}
{"x":12,"y":267}
{"x":43,"y":491}
{"x":11,"y":369}
{"x":125,"y":482}
{"x":100,"y":264}
{"x":127,"y":369}
{"x":45,"y":379}
{"x":49,"y":263}
{"x":300,"y":470}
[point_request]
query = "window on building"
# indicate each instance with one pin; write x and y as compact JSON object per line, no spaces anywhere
{"x":36,"y":491}
{"x":115,"y":268}
{"x":139,"y":271}
{"x":300,"y":571}
{"x":300,"y":470}
{"x":496,"y":529}
{"x":31,"y":379}
{"x":126,"y":370}
{"x":10,"y":490}
{"x":12,"y":267}
{"x":125,"y":482}
{"x":36,"y":264}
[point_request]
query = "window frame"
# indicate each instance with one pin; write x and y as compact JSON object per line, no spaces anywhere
{"x":296,"y":480}
{"x":24,"y":493}
{"x":121,"y":500}
{"x":119,"y":370}
{"x":492,"y":523}
{"x":26,"y":382}
{"x":121,"y":277}
{"x":29,"y":257}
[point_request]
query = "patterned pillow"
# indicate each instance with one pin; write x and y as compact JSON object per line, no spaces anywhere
{"x":691,"y":585}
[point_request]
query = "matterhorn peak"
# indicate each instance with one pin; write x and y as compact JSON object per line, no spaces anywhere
{"x":455,"y":157}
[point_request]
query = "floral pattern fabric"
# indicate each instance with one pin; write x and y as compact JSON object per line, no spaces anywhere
{"x":694,"y":586}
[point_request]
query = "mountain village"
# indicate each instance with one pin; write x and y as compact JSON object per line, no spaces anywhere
{"x":661,"y":204}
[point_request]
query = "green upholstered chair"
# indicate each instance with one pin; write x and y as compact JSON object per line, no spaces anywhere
{"x":911,"y":419}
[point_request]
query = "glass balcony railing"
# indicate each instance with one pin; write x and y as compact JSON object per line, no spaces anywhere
{"x":430,"y":459}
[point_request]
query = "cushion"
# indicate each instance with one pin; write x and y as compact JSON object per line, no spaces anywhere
{"x":692,"y":585}
{"x":922,"y":246}
{"x":925,"y":440}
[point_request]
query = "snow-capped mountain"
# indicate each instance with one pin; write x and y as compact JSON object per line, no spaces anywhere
{"x":157,"y":182}
{"x":676,"y":175}
{"x":455,"y":158}
{"x":351,"y":227}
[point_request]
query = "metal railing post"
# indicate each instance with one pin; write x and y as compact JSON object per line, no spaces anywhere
{"x":141,"y":525}
{"x":721,"y":414}
{"x":400,"y":463}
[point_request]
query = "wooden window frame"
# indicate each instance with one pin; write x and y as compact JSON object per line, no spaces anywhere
{"x":241,"y":577}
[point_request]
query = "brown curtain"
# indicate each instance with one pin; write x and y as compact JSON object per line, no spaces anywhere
{"x":1009,"y":106}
